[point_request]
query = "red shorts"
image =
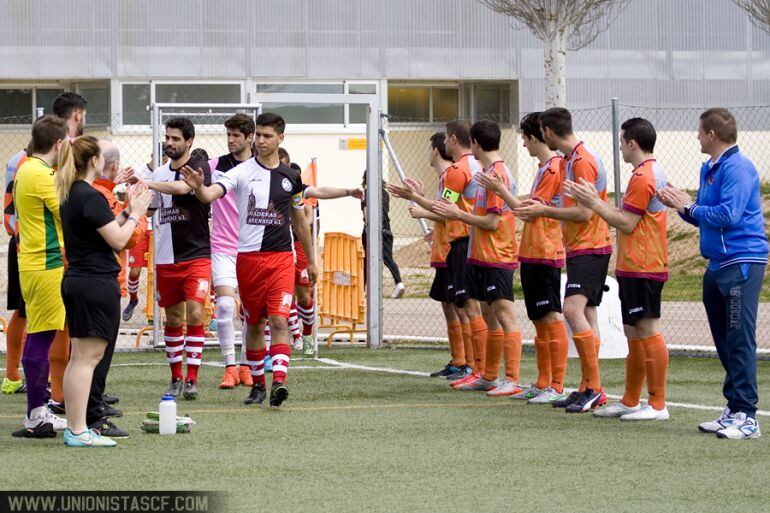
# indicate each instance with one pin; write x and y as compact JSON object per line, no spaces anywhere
{"x":137,"y":256}
{"x":185,"y":281}
{"x":300,"y":266}
{"x":265,"y":284}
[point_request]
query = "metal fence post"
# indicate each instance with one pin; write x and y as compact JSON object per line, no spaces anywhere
{"x":156,"y":162}
{"x":616,"y":148}
{"x":373,"y":227}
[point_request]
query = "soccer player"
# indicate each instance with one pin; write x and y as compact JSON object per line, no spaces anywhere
{"x":642,"y":269}
{"x":40,"y":269}
{"x":728,"y":212}
{"x":224,"y":247}
{"x":269,"y":196}
{"x":183,"y":260}
{"x":93,"y":236}
{"x":541,"y":256}
{"x":492,"y":258}
{"x":441,"y":290}
{"x":588,"y":245}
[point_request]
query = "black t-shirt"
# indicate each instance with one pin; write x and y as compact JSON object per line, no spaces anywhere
{"x":85,"y":211}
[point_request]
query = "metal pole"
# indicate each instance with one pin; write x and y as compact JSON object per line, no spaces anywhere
{"x":616,"y":148}
{"x":314,"y":231}
{"x":373,"y":227}
{"x":400,"y":171}
{"x":156,"y":160}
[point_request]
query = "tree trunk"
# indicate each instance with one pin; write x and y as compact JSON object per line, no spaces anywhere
{"x":556,"y":70}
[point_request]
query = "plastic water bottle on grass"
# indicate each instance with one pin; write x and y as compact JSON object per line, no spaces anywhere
{"x":167,"y":414}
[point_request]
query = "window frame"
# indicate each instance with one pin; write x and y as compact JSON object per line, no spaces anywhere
{"x":65,"y":86}
{"x":457,"y":86}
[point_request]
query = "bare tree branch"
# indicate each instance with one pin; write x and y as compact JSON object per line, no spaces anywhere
{"x":758,"y":12}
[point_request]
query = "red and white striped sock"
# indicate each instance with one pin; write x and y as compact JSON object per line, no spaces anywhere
{"x":133,"y":289}
{"x":295,"y":328}
{"x":194,"y":349}
{"x":280,"y":356}
{"x":307,"y":315}
{"x":174,"y":340}
{"x":267,"y":337}
{"x":256,"y":363}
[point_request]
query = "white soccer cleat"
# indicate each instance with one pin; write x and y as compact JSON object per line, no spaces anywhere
{"x":742,"y":428}
{"x":647,"y":412}
{"x":718,"y":424}
{"x":505,"y":389}
{"x":548,"y":396}
{"x":616,"y":409}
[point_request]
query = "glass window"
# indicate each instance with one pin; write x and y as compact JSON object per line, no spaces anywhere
{"x":409,"y":104}
{"x":136,"y":104}
{"x":98,"y":107}
{"x":301,"y":88}
{"x":357,"y":113}
{"x":15,"y":106}
{"x":198,"y":93}
{"x":44,"y":98}
{"x":446,"y":104}
{"x":492,"y":101}
{"x":305,"y":114}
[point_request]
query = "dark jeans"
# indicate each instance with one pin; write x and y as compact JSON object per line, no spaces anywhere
{"x":731,"y":298}
{"x":387,"y":255}
{"x":98,"y":383}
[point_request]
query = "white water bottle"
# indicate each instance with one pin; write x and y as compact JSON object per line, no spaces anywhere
{"x":167,"y":411}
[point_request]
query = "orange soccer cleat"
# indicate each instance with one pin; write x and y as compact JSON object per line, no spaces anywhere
{"x":244,"y":373}
{"x":230,"y":379}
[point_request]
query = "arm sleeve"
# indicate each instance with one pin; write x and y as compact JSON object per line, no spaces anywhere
{"x":737,"y":187}
{"x":549,"y":186}
{"x":297,"y":191}
{"x":228,"y":181}
{"x":46,"y":190}
{"x":454,"y":184}
{"x":97,"y":211}
{"x":640,"y":191}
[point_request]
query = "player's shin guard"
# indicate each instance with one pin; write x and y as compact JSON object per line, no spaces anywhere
{"x":133,"y":288}
{"x":656,"y":366}
{"x":256,"y":363}
{"x":280,"y":354}
{"x":634,"y":373}
{"x":226,"y":329}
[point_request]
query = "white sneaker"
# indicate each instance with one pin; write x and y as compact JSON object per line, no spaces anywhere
{"x":741,"y":428}
{"x":59,"y":424}
{"x":647,"y":412}
{"x":616,"y":409}
{"x":548,"y":396}
{"x":718,"y":424}
{"x":398,"y":291}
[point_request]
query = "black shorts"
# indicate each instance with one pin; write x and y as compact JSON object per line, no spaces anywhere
{"x":586,"y":275}
{"x":93,"y":306}
{"x":639,"y":299}
{"x":442,"y":289}
{"x":490,"y":283}
{"x":14,"y":299}
{"x":457,"y":264}
{"x":542,"y":289}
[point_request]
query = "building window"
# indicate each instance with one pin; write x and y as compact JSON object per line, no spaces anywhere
{"x":492,"y":101}
{"x":97,"y":94}
{"x":18,"y":105}
{"x":136,"y":104}
{"x":135,"y":100}
{"x":44,"y":99}
{"x":423,"y":103}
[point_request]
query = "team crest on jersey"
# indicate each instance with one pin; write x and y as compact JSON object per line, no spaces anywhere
{"x":286,"y":184}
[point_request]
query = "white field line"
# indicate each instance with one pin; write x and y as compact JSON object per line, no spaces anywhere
{"x":332,"y":364}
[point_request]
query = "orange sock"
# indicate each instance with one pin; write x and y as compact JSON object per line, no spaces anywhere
{"x":512,"y":355}
{"x":58,"y":358}
{"x":656,"y":365}
{"x":582,"y":357}
{"x":597,"y":344}
{"x":468,"y":344}
{"x":558,"y":346}
{"x":494,"y":349}
{"x":542,"y":355}
{"x":634,"y":373}
{"x":455,"y":331}
{"x":591,"y":359}
{"x":14,"y":340}
{"x":479,"y":336}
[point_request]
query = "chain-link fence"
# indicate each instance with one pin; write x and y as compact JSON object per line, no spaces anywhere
{"x":417,"y":317}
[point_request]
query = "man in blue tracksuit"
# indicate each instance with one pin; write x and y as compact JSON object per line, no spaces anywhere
{"x":728,"y":211}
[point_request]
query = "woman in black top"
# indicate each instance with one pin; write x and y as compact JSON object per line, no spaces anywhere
{"x":90,"y":290}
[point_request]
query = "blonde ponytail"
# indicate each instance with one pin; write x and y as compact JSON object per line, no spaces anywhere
{"x":74,"y":157}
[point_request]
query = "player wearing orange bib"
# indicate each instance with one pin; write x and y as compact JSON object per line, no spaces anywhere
{"x":642,"y":269}
{"x":588,"y":245}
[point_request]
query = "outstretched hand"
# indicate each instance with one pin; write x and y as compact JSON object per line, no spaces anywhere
{"x":193,"y":178}
{"x":126,"y":175}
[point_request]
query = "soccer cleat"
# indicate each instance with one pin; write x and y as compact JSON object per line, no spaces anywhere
{"x":110,"y":411}
{"x":190,"y":390}
{"x":505,"y":389}
{"x":244,"y":376}
{"x":308,"y":347}
{"x":37,"y":429}
{"x":230,"y":380}
{"x":647,"y":412}
{"x":448,"y":370}
{"x":175,"y":388}
{"x":571,"y":398}
{"x":90,"y":438}
{"x":13,"y":387}
{"x":128,"y":312}
{"x":587,"y":401}
{"x":110,"y":399}
{"x":548,"y":396}
{"x":718,"y":424}
{"x":462,"y":371}
{"x":278,"y":394}
{"x":742,"y":428}
{"x":616,"y":409}
{"x":398,"y":291}
{"x":468,"y":377}
{"x":297,"y":344}
{"x":528,"y":394}
{"x":257,"y":394}
{"x":57,"y":408}
{"x":108,"y":429}
{"x":602,"y":399}
{"x":479,"y":385}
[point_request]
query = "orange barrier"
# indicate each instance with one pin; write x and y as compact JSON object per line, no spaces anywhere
{"x":341,"y":294}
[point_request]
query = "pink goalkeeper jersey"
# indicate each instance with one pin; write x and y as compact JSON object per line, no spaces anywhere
{"x":224,"y":211}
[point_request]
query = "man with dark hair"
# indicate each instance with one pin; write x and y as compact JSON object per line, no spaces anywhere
{"x":588,"y":245}
{"x":728,"y":212}
{"x":641,"y":270}
{"x":492,"y":258}
{"x":72,"y":108}
{"x":183,"y":259}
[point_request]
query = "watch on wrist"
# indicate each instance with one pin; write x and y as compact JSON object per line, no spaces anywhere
{"x":688,"y":207}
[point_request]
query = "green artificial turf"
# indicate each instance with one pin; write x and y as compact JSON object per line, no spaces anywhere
{"x":355,"y":440}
